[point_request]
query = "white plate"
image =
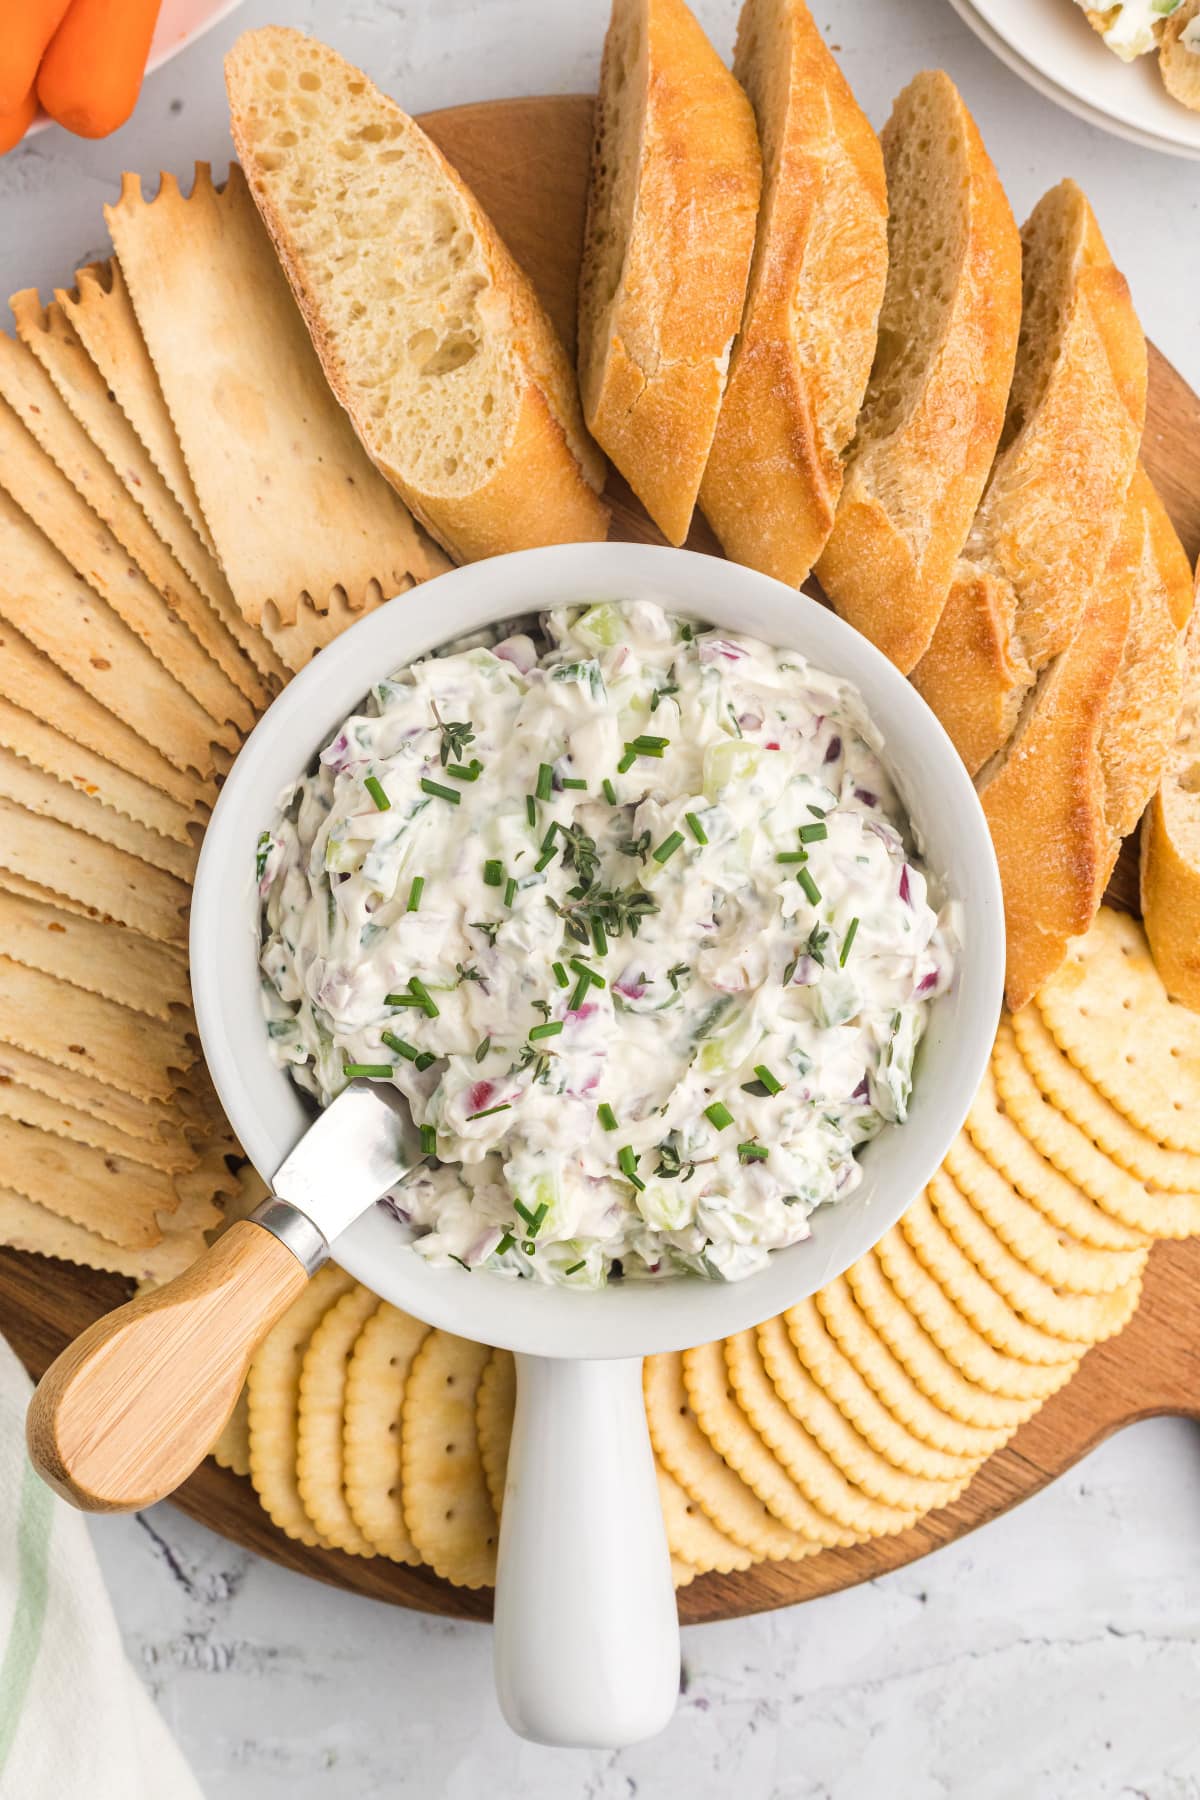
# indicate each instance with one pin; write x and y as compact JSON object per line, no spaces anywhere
{"x":1050,"y":45}
{"x":180,"y":23}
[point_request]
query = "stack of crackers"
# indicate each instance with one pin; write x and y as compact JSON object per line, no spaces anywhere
{"x":852,"y":1414}
{"x":186,"y":516}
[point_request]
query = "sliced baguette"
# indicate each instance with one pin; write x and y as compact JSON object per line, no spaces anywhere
{"x":429,"y":334}
{"x":1171,"y":847}
{"x":1178,"y":62}
{"x":1054,"y":498}
{"x":1090,"y":746}
{"x":666,"y":251}
{"x":800,"y":365}
{"x":935,"y":402}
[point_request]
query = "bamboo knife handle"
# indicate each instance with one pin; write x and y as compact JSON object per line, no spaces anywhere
{"x":134,"y":1404}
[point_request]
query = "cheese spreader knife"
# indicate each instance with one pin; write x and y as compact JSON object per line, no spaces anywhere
{"x":135,"y":1403}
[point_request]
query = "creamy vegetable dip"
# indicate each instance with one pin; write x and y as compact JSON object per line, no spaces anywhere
{"x":627,"y":910}
{"x":1131,"y":28}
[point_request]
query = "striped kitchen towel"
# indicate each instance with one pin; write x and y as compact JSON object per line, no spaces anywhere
{"x":75,"y":1722}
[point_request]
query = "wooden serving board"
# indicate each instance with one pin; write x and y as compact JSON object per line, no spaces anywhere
{"x":527,"y":161}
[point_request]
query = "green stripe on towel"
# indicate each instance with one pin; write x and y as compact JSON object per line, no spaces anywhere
{"x":36,"y":1515}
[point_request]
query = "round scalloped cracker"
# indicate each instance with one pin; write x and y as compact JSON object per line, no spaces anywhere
{"x":375,"y":1381}
{"x":1123,"y":1170}
{"x":864,"y":1346}
{"x":1009,"y":1378}
{"x":734,"y":1508}
{"x":999,"y":1125}
{"x":232,"y":1448}
{"x":731,"y":1434}
{"x":986,"y":1308}
{"x":447,"y":1507}
{"x":682,"y":1573}
{"x":812,"y":1408}
{"x":835,"y":1372}
{"x":1055,"y":1255}
{"x":1108,"y":1009}
{"x":319,"y":1461}
{"x":494,"y":1409}
{"x":1076,"y":1318}
{"x":692,"y":1536}
{"x":273,"y":1390}
{"x":808,"y":1463}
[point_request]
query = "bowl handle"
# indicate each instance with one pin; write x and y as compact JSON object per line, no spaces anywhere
{"x":587,"y":1633}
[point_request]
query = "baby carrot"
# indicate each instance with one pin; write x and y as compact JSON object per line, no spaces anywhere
{"x":91,"y":74}
{"x":27,"y":29}
{"x":14,"y":124}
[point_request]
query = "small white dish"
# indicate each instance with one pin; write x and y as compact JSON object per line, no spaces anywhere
{"x":586,"y":1631}
{"x":1051,"y":46}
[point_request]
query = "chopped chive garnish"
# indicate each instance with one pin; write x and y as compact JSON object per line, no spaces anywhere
{"x":414,"y":894}
{"x":402,"y":1000}
{"x":550,"y":836}
{"x":465,"y":771}
{"x":374,"y":787}
{"x":649,"y":746}
{"x":367,"y":1071}
{"x":610,"y":792}
{"x":812,"y":892}
{"x":771,"y":1082}
{"x":847,"y":941}
{"x":424,"y":998}
{"x":580,"y":995}
{"x":668,"y":847}
{"x":440,"y":790}
{"x":532,"y":1219}
{"x":753,"y":1153}
{"x":408,"y":1051}
{"x":493,"y":873}
{"x":560,"y":975}
{"x":551,"y":1028}
{"x":428,"y":1140}
{"x":529,"y":1246}
{"x":506,"y":1243}
{"x":627,"y":1162}
{"x":599,"y":939}
{"x":696,"y":828}
{"x":627,"y":761}
{"x":510,"y":890}
{"x":606,"y":1116}
{"x":575,"y":1267}
{"x":586,"y":974}
{"x":489,"y":1110}
{"x":812,"y":834}
{"x":545,"y":859}
{"x":425,"y":1059}
{"x":792,"y":856}
{"x":545,"y":781}
{"x":482,"y":1048}
{"x":460,"y":1262}
{"x":531,"y":809}
{"x":574,"y":781}
{"x":818,"y":812}
{"x":718,"y":1114}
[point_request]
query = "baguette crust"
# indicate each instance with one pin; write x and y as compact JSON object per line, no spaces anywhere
{"x":1170,"y":875}
{"x":541,"y":487}
{"x":936,"y":399}
{"x":670,"y":226}
{"x":1046,"y":524}
{"x":800,"y":365}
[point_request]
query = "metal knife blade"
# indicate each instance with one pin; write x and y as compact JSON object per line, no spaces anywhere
{"x":361,"y":1145}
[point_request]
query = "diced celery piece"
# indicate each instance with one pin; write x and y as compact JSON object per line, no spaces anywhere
{"x":729,"y":761}
{"x":602,"y":624}
{"x":666,"y":1205}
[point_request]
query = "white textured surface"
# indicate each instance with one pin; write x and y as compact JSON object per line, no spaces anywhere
{"x":1054,"y":1655}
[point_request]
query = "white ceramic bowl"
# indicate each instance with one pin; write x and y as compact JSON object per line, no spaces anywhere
{"x":583,"y":1584}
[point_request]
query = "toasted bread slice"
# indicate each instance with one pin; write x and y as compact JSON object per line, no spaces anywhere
{"x":1041,"y":537}
{"x":800,"y":365}
{"x":666,"y":251}
{"x":1179,"y":55}
{"x":935,"y":402}
{"x":1091,"y":745}
{"x":429,"y":334}
{"x":1171,"y":847}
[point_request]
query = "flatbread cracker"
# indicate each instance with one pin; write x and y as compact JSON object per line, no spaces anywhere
{"x":319,"y":1472}
{"x":24,"y":889}
{"x":1070,"y":1093}
{"x":298,"y":642}
{"x":42,"y":597}
{"x":120,"y":1199}
{"x":29,"y":680}
{"x":273,"y":1390}
{"x":375,"y":1382}
{"x":828,"y":1365}
{"x":183,"y":634}
{"x":148,"y":1120}
{"x":447,"y":1507}
{"x":291,"y":499}
{"x":151,"y":978}
{"x":878,"y":1365}
{"x":495,"y":1405}
{"x":95,"y":874}
{"x":731,"y":1434}
{"x":91,"y":1035}
{"x":1108,"y":1009}
{"x":691,"y":1534}
{"x":232,"y":1448}
{"x":48,"y":798}
{"x":687,"y":1453}
{"x":26,"y":1226}
{"x":30,"y":1107}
